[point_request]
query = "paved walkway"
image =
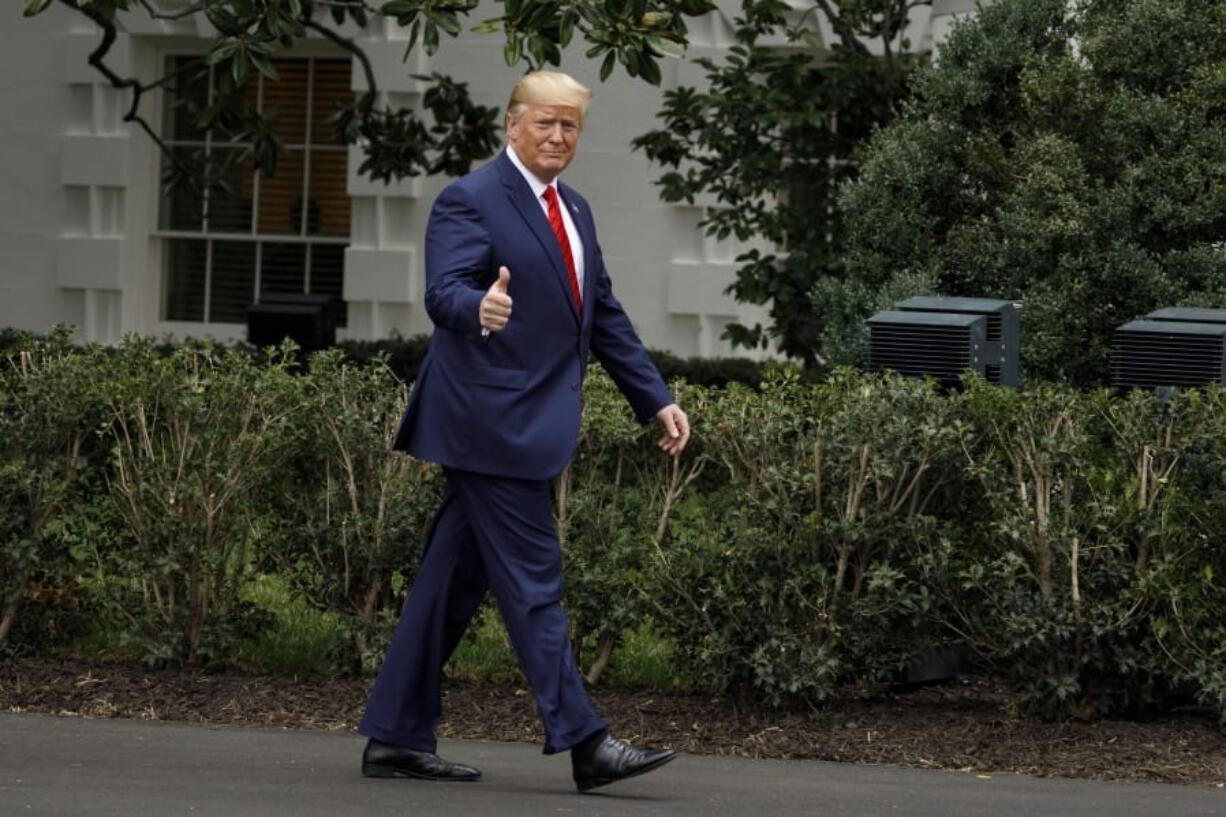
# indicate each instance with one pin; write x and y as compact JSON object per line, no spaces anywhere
{"x":61,"y":767}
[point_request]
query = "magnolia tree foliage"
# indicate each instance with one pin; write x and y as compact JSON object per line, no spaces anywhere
{"x":446,"y":136}
{"x":773,"y":135}
{"x":1071,"y":155}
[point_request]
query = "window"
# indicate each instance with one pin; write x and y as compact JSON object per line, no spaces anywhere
{"x":281,"y":233}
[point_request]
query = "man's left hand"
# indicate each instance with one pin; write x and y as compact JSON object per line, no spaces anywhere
{"x":676,"y":428}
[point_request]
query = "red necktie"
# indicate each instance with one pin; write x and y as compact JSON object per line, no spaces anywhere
{"x":559,"y":230}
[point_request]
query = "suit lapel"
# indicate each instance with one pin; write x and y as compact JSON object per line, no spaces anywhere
{"x":587,"y":232}
{"x":521,"y":197}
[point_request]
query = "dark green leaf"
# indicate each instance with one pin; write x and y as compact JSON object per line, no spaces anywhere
{"x":606,"y":67}
{"x":566,"y":28}
{"x":650,"y":69}
{"x":449,"y":22}
{"x":665,"y":47}
{"x":511,"y":51}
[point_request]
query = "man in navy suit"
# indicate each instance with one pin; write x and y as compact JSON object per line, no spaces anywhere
{"x":518,"y":293}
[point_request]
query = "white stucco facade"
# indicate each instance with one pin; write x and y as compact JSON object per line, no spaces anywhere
{"x":79,"y":188}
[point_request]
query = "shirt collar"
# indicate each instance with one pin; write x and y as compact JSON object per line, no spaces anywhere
{"x":538,"y":186}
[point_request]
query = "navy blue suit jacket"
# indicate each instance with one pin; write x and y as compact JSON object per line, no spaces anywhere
{"x":509,"y":404}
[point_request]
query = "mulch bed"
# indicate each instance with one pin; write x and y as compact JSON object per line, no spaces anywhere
{"x":955,"y":726}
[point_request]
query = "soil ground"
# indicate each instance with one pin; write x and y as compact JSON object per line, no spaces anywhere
{"x":960,"y":725}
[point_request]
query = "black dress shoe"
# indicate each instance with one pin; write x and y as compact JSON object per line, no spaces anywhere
{"x":603,"y":759}
{"x":384,"y":760}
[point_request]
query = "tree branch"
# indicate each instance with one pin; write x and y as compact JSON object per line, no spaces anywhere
{"x":354,"y":49}
{"x":846,"y":32}
{"x":109,"y":35}
{"x":347,"y":4}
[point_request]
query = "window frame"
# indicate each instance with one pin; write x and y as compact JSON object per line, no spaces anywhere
{"x":161,"y":237}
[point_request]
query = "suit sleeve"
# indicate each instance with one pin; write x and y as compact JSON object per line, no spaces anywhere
{"x":619,"y":350}
{"x":457,"y":258}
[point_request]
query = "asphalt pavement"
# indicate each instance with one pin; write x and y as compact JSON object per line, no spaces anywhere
{"x":60,"y":767}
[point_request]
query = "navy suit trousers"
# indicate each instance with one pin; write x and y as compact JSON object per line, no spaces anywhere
{"x":490,"y":533}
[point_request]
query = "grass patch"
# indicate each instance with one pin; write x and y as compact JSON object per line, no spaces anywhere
{"x":644,"y":658}
{"x":485,"y":652}
{"x":305,"y":641}
{"x":302,"y":641}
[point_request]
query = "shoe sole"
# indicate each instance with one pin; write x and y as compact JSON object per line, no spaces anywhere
{"x":597,"y":782}
{"x":373,"y":770}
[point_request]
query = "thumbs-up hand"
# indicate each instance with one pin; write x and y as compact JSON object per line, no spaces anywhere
{"x":495,"y":308}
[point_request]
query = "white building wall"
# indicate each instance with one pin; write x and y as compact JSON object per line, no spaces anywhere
{"x":36,"y":207}
{"x":78,"y":203}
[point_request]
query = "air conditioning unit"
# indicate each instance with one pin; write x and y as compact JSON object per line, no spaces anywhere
{"x":941,"y":345}
{"x":919,"y":337}
{"x":309,"y":320}
{"x":1188,"y":314}
{"x":1004,"y":331}
{"x":1175,"y":346}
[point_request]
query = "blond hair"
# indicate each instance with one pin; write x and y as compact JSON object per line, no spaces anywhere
{"x":548,"y":88}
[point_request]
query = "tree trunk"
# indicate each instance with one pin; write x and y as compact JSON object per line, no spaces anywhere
{"x":10,"y":616}
{"x":604,"y":652}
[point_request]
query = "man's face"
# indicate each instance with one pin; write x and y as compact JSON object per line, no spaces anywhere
{"x":544,"y":138}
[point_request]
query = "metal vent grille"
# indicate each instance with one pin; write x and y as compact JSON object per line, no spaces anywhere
{"x":1153,"y":354}
{"x":919,"y":344}
{"x":999,"y":353}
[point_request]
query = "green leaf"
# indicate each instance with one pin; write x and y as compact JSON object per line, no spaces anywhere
{"x":35,"y":7}
{"x":536,"y":47}
{"x":449,"y":22}
{"x":650,"y":69}
{"x":566,"y":28}
{"x":606,"y":68}
{"x":489,"y":26}
{"x":240,"y":67}
{"x":632,"y":60}
{"x":400,"y":8}
{"x":222,"y":51}
{"x":665,"y":47}
{"x":616,"y":8}
{"x":414,"y":33}
{"x":265,"y":67}
{"x":511,"y":51}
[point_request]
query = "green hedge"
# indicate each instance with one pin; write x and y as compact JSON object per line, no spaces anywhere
{"x":816,"y":539}
{"x":403,"y":357}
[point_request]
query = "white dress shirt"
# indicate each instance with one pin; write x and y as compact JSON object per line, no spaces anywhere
{"x":538,"y":190}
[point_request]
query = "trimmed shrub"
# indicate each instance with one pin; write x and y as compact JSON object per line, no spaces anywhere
{"x":194,"y":437}
{"x":352,"y":515}
{"x":813,"y":540}
{"x":49,"y":414}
